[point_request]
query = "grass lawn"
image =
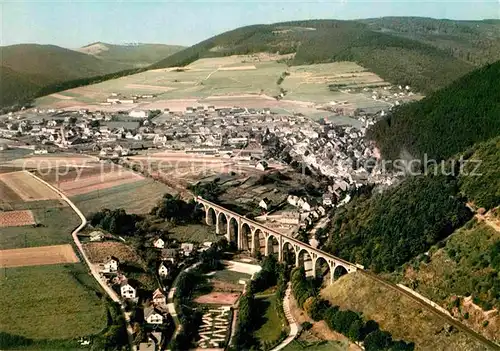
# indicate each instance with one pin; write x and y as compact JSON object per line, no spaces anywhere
{"x":137,"y":197}
{"x":270,"y":323}
{"x":57,"y":225}
{"x":230,"y":276}
{"x":195,"y":233}
{"x":298,"y":345}
{"x":50,"y":302}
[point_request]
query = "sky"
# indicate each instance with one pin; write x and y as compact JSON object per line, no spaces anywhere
{"x":75,"y":23}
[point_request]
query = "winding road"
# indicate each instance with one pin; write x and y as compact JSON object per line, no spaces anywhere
{"x":111,"y":293}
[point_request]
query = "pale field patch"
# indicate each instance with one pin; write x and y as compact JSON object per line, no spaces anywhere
{"x":27,"y":187}
{"x":37,"y":256}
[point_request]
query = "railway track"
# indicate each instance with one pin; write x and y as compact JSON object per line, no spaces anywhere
{"x":471,"y":333}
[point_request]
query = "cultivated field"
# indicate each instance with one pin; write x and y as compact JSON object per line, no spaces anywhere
{"x":38,"y":256}
{"x":16,"y":218}
{"x":46,"y":162}
{"x":55,"y":227}
{"x":137,"y":197}
{"x":218,"y":298}
{"x":98,"y":181}
{"x":242,"y":80}
{"x":98,"y":252}
{"x":50,"y":302}
{"x":27,"y":187}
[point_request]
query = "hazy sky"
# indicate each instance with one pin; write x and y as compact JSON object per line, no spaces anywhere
{"x":73,"y":23}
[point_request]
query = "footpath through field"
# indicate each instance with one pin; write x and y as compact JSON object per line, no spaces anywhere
{"x":294,"y":328}
{"x":94,"y":272}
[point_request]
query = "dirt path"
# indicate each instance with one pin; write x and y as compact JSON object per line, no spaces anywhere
{"x":294,"y":328}
{"x":93,"y":271}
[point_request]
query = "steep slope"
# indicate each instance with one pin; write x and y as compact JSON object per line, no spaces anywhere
{"x":394,"y":58}
{"x":134,"y":55}
{"x":398,"y":314}
{"x":477,"y":42}
{"x":467,"y":266}
{"x":16,"y":87}
{"x":446,"y":122}
{"x":28,"y":67}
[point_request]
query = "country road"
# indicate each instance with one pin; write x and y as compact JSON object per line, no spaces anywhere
{"x":488,"y":343}
{"x":93,"y":271}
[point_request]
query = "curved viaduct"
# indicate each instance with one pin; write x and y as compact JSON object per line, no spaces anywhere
{"x":252,"y":236}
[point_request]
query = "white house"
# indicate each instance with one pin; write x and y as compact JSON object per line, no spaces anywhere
{"x":127,"y":291}
{"x":187,"y":248}
{"x":261,"y":166}
{"x":138,"y":114}
{"x":151,"y":316}
{"x":159,"y":243}
{"x":111,"y":265}
{"x":163,"y":270}
{"x":96,"y":236}
{"x":265,"y":203}
{"x":292,"y":200}
{"x":159,"y":298}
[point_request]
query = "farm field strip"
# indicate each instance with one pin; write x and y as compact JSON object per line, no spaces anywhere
{"x":98,"y":182}
{"x":16,"y":218}
{"x":27,"y":187}
{"x":37,"y":256}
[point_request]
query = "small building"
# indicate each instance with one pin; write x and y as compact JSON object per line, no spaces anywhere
{"x":159,"y":243}
{"x":127,"y":291}
{"x":293,"y":200}
{"x":187,"y":248}
{"x":327,"y":199}
{"x":163,"y":270}
{"x":159,"y":298}
{"x":265,"y":203}
{"x":152,"y":316}
{"x":169,"y":255}
{"x":262,"y":165}
{"x":138,"y":114}
{"x":111,"y":265}
{"x":96,"y":236}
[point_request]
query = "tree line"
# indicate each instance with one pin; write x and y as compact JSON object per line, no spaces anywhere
{"x":346,"y":322}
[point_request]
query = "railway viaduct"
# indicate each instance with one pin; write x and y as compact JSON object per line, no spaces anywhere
{"x":252,"y":236}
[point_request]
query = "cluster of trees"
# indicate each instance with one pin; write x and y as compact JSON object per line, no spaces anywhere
{"x":385,"y":230}
{"x":248,"y":313}
{"x":210,"y":191}
{"x":174,"y":209}
{"x":272,"y":274}
{"x":472,"y":41}
{"x":115,"y":337}
{"x":115,"y":221}
{"x":346,"y":322}
{"x":483,"y":187}
{"x":446,"y":122}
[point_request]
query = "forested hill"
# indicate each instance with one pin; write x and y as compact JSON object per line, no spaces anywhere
{"x":477,"y":42}
{"x":396,"y":58}
{"x":446,"y":122}
{"x":25,"y":68}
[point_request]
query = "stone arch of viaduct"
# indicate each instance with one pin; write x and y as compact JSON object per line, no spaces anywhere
{"x":248,"y":234}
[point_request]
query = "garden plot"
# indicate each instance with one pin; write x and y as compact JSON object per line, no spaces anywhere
{"x":16,"y":218}
{"x":214,"y":329}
